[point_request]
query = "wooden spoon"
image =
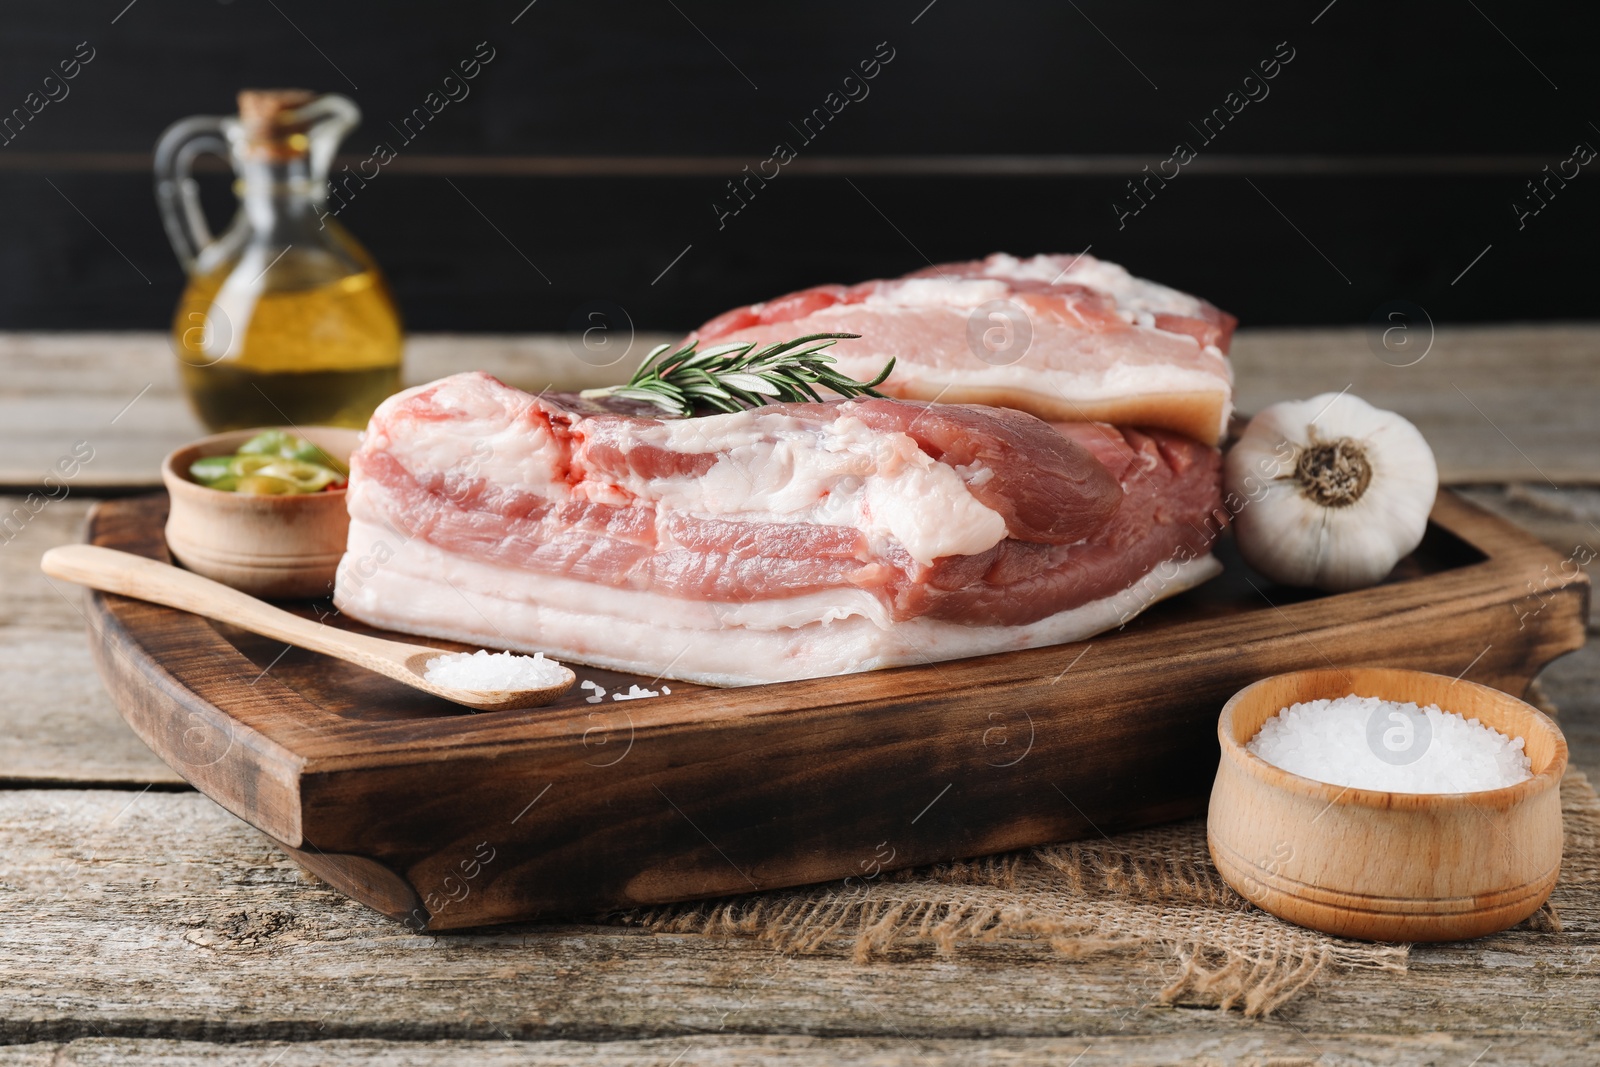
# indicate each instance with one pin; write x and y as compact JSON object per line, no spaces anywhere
{"x":112,"y":571}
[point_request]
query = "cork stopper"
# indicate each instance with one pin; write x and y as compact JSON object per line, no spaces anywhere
{"x":273,"y":125}
{"x":266,"y":105}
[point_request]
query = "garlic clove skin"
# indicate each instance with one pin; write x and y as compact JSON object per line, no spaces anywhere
{"x":1329,"y":492}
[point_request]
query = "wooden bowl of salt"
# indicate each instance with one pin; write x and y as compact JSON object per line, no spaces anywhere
{"x":1384,"y":864}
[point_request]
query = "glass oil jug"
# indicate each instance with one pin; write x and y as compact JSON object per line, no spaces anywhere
{"x":286,"y":318}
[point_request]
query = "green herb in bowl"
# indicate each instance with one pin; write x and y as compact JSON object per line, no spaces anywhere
{"x":272,"y":463}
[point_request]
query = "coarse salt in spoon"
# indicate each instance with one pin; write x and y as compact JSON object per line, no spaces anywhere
{"x":480,"y":681}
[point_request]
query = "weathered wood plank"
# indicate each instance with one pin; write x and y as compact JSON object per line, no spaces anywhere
{"x":1572,"y":683}
{"x":57,"y":722}
{"x":1265,"y":1049}
{"x":159,"y":914}
{"x":31,"y":603}
{"x":1497,"y":403}
{"x":119,"y":393}
{"x":1568,"y":520}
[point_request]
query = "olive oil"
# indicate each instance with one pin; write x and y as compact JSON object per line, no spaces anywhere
{"x":326,"y":355}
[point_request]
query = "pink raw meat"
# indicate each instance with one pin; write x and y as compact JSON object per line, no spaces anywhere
{"x":1066,"y":338}
{"x":788,"y":541}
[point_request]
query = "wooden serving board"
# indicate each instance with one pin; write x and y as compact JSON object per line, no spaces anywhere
{"x":441,"y":818}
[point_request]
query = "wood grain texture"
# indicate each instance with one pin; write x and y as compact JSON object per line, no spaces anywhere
{"x":56,"y":722}
{"x":161,"y":915}
{"x":1566,"y":519}
{"x":1274,"y":1048}
{"x":1496,"y":403}
{"x":765,"y":786}
{"x":66,"y":388}
{"x":119,"y":393}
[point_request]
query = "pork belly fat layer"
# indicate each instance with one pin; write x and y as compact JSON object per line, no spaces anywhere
{"x":421,"y":589}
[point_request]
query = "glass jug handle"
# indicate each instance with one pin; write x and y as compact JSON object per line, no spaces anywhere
{"x":330,"y":117}
{"x":176,"y":192}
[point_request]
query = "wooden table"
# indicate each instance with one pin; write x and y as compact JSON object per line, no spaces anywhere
{"x":144,"y":923}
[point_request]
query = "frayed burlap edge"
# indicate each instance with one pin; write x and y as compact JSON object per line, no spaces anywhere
{"x":1152,"y":893}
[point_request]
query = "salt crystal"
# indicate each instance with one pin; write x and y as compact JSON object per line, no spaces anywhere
{"x":494,"y":671}
{"x":599,"y":691}
{"x":1370,"y":743}
{"x":634,"y":693}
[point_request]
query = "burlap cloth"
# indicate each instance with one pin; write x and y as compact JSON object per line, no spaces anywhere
{"x":1151,"y":894}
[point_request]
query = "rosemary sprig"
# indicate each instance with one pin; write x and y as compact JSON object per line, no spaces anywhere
{"x":732,"y":377}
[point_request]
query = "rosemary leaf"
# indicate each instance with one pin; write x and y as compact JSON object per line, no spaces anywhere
{"x":751,"y":383}
{"x":734,"y":376}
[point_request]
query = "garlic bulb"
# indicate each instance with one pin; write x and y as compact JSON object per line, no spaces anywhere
{"x":1329,"y":492}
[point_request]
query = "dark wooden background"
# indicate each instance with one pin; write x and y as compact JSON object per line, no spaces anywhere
{"x":588,"y":156}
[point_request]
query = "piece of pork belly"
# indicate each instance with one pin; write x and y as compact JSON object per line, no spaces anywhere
{"x":1067,"y":338}
{"x":788,"y":541}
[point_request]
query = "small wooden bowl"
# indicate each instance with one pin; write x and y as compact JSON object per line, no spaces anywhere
{"x":268,"y":546}
{"x":1386,"y":866}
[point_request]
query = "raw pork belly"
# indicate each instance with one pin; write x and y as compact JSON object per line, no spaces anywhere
{"x":1085,"y":340}
{"x":789,"y":541}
